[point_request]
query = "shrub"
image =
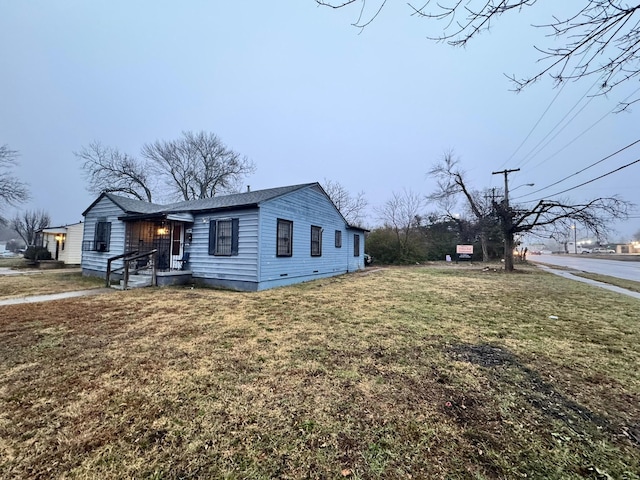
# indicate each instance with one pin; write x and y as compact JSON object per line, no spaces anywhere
{"x":37,"y":253}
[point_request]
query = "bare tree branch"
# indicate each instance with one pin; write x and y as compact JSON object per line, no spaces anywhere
{"x":197,"y":165}
{"x":12,"y":191}
{"x":401,"y":214}
{"x":109,"y":170}
{"x":451,"y":184}
{"x":351,"y":207}
{"x":28,"y":223}
{"x":601,"y":38}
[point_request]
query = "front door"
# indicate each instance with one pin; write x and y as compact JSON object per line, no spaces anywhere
{"x":177,"y":241}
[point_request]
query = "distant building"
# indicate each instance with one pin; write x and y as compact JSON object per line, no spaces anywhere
{"x":64,"y":243}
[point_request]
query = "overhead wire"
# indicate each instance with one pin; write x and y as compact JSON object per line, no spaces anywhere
{"x":580,"y":171}
{"x":589,"y":181}
{"x":544,"y":113}
{"x":535,"y":150}
{"x":585,"y":130}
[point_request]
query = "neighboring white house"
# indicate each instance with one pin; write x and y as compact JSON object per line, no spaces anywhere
{"x":64,"y":243}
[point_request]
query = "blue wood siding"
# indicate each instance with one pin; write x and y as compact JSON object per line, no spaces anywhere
{"x":355,"y":263}
{"x":104,"y":210}
{"x":304,"y":208}
{"x":242,"y":267}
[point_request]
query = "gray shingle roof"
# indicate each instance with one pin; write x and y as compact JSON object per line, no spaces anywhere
{"x":235,"y":200}
{"x":131,"y":205}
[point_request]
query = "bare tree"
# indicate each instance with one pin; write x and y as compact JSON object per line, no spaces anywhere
{"x":452,"y":184}
{"x":29,"y":222}
{"x":599,"y":38}
{"x":548,"y":217}
{"x":197,"y":165}
{"x":109,"y":170}
{"x":12,"y":191}
{"x":555,"y":218}
{"x":351,"y":207}
{"x":402,"y":213}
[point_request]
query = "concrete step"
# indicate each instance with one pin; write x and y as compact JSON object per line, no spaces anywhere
{"x":135,"y":281}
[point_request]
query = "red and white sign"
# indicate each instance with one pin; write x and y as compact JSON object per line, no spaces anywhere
{"x":468,"y":249}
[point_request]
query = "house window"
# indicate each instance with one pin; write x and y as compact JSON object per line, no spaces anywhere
{"x":338,"y":239}
{"x":223,"y":237}
{"x":316,"y":241}
{"x":101,"y":236}
{"x":356,"y":245}
{"x":284,"y":238}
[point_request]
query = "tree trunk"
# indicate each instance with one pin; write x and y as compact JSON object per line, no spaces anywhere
{"x":485,"y":248}
{"x":508,"y":251}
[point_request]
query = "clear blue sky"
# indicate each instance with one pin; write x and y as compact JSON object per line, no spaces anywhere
{"x":298,"y":90}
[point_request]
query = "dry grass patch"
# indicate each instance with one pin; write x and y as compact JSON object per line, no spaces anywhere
{"x":45,"y":282}
{"x":402,"y":373}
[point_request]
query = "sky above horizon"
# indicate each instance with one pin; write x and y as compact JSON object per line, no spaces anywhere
{"x":303,"y":94}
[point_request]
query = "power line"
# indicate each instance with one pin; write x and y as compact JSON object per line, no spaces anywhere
{"x":547,"y":109}
{"x":592,"y":180}
{"x":532,"y":153}
{"x":580,"y":171}
{"x":536,"y":125}
{"x":583,"y":132}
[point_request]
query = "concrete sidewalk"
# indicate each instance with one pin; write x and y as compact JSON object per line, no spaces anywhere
{"x":54,"y":296}
{"x":571,"y":276}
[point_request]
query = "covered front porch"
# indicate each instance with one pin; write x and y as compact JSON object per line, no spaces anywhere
{"x":170,"y":235}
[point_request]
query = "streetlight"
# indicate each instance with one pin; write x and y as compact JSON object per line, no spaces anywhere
{"x":523,"y":185}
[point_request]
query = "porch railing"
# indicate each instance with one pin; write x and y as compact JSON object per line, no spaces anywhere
{"x":127,"y":258}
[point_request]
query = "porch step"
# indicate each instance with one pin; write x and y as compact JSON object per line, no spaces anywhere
{"x":135,"y":281}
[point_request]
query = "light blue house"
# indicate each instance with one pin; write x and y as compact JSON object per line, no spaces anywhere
{"x":246,"y":241}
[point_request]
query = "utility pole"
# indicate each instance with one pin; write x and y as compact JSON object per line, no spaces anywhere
{"x":507,"y":221}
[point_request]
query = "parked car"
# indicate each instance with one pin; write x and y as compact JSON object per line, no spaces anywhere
{"x":585,"y":250}
{"x":603,"y":250}
{"x":368,"y":259}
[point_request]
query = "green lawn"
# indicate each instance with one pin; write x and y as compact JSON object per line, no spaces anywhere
{"x":423,"y":372}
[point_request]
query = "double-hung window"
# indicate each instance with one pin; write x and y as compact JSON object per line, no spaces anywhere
{"x":284,"y":238}
{"x":102,"y":236}
{"x":316,"y":241}
{"x":223,"y":237}
{"x":356,"y":245}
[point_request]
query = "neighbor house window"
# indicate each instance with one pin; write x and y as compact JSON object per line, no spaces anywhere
{"x":101,"y":236}
{"x":316,"y":241}
{"x":223,"y":237}
{"x":356,"y":245}
{"x":338,"y":239}
{"x":284,"y":238}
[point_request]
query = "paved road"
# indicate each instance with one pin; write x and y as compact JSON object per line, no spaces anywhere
{"x":603,"y":266}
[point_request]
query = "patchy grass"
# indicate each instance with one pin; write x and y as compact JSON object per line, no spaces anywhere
{"x":430,"y":372}
{"x":618,"y":282}
{"x":13,"y":262}
{"x":42,"y":282}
